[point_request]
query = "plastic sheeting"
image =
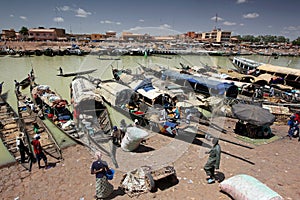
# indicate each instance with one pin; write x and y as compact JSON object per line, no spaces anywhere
{"x":133,"y":138}
{"x":245,"y":187}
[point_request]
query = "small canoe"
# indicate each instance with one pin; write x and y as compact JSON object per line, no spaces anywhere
{"x":26,"y":81}
{"x":77,"y":73}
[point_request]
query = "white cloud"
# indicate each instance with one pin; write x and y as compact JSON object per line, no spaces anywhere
{"x":242,"y":24}
{"x":64,"y":8}
{"x":292,"y":28}
{"x":229,"y":23}
{"x":141,"y":20}
{"x":11,"y":15}
{"x":82,"y":13}
{"x":241,"y":1}
{"x":58,"y":19}
{"x":154,"y":31}
{"x":251,"y":15}
{"x":110,"y":22}
{"x":23,"y":17}
{"x":106,"y":22}
{"x":216,"y":17}
{"x":167,"y":26}
{"x":79,"y":12}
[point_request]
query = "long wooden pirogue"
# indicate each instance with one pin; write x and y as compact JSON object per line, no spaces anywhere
{"x":10,"y":129}
{"x":28,"y":117}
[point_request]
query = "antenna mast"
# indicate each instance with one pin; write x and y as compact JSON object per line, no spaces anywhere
{"x":216,"y":21}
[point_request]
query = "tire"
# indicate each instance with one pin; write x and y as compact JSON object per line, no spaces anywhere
{"x":149,"y":182}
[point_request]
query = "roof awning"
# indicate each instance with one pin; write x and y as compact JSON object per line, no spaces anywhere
{"x":84,"y":90}
{"x":151,"y":94}
{"x":279,"y":69}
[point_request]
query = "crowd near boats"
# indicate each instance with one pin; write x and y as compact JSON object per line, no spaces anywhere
{"x":156,"y":99}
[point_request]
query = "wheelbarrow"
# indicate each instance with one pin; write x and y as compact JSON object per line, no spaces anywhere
{"x":143,"y":179}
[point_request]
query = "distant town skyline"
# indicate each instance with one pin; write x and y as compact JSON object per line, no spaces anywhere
{"x":242,"y":17}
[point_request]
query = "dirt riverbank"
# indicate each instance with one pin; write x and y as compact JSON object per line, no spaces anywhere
{"x":275,"y":164}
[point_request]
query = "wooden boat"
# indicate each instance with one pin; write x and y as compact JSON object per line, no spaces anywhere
{"x":91,"y":117}
{"x":77,"y":73}
{"x":26,"y":81}
{"x":55,"y":109}
{"x":10,"y":129}
{"x":245,"y":66}
{"x":28,"y":116}
{"x":118,"y":96}
{"x":290,"y":76}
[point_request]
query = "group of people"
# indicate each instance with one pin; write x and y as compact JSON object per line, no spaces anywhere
{"x":104,"y":188}
{"x":37,"y":148}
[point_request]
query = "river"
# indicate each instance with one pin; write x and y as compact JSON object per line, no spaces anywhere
{"x":46,"y":69}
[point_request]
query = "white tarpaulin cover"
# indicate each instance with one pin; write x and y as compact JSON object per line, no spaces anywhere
{"x":133,"y":138}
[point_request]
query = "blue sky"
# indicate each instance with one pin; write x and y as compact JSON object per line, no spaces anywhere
{"x":156,"y":17}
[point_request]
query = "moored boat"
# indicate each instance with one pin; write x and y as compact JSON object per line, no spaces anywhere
{"x":290,"y":76}
{"x":10,"y":131}
{"x":29,"y":118}
{"x":26,"y":81}
{"x":245,"y":66}
{"x":92,"y":117}
{"x":55,"y":109}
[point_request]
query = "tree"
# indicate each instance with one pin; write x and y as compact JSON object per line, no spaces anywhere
{"x":24,"y":31}
{"x":296,"y":42}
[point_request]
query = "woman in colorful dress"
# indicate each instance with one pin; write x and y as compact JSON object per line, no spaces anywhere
{"x":99,"y":168}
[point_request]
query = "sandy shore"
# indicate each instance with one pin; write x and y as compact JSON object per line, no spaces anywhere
{"x":275,"y":164}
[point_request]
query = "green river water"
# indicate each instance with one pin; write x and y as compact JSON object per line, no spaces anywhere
{"x":45,"y":68}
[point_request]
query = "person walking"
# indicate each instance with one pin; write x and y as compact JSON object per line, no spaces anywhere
{"x":23,"y":148}
{"x":38,"y":150}
{"x":213,"y":161}
{"x":99,"y":168}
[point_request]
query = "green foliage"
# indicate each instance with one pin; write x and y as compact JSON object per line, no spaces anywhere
{"x":263,"y":39}
{"x":297,"y":41}
{"x":24,"y":30}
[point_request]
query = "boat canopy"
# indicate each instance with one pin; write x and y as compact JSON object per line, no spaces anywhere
{"x":279,"y":69}
{"x":115,"y":93}
{"x":146,"y":89}
{"x":84,"y":90}
{"x":205,"y":84}
{"x":150,"y":94}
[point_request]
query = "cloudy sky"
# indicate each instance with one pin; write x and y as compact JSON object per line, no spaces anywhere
{"x":156,"y":17}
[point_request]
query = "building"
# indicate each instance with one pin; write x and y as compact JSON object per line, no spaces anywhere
{"x":96,"y":37}
{"x":216,"y":35}
{"x":43,"y":34}
{"x":8,"y":34}
{"x":127,"y":36}
{"x":111,"y":34}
